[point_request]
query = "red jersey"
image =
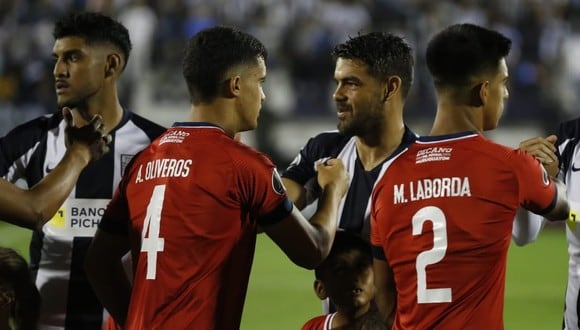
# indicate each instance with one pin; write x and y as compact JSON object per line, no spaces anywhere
{"x":442,"y":217}
{"x":190,"y":204}
{"x":322,"y":322}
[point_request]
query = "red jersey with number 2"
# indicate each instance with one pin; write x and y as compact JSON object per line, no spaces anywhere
{"x":191,"y":203}
{"x":443,"y":215}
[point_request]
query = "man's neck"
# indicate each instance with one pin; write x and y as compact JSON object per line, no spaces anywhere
{"x":372,"y":155}
{"x":453,"y":118}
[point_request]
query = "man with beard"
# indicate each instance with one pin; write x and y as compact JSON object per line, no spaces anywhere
{"x":374,"y":73}
{"x":90,"y":52}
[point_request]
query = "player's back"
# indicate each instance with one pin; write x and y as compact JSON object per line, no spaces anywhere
{"x":443,"y":215}
{"x":193,"y":237}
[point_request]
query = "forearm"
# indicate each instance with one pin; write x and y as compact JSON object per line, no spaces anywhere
{"x":296,"y":193}
{"x":48,"y":195}
{"x":305,"y":242}
{"x":386,"y":291}
{"x":325,"y":220}
{"x":561,"y":210}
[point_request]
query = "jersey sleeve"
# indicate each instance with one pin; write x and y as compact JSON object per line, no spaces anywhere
{"x":568,"y":133}
{"x":302,"y":168}
{"x":21,"y":144}
{"x":115,"y":220}
{"x":261,"y":190}
{"x":537,"y":192}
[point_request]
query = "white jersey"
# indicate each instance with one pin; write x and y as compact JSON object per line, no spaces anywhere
{"x":57,"y":252}
{"x":568,"y":148}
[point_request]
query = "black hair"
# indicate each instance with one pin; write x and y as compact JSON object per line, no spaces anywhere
{"x":385,"y":55}
{"x":211,"y":53}
{"x":462,"y":51}
{"x":15,"y":280}
{"x":344,"y":242}
{"x":94,"y":28}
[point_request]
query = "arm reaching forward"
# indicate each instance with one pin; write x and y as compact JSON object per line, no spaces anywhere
{"x":33,"y":208}
{"x":305,"y":242}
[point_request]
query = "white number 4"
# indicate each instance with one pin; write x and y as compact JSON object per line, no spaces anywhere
{"x":436,"y":254}
{"x":151,"y":243}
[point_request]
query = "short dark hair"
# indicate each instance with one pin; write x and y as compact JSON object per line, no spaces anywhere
{"x":209,"y":54}
{"x":94,"y":28}
{"x":344,"y":242}
{"x":462,"y":51}
{"x":385,"y":54}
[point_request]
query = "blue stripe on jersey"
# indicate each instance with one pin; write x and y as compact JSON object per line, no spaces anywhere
{"x":378,"y":252}
{"x":446,"y":137}
{"x":280,"y":213}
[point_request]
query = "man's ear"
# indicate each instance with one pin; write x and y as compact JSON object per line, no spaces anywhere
{"x":233,"y":86}
{"x":392,"y":86}
{"x":320,"y":290}
{"x":478,"y":94}
{"x":114,"y":65}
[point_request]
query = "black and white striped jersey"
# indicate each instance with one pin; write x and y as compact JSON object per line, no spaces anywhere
{"x":57,"y":252}
{"x":569,"y":153}
{"x":354,"y":208}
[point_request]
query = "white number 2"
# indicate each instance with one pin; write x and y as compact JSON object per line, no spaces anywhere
{"x":425,"y":258}
{"x":151,"y":243}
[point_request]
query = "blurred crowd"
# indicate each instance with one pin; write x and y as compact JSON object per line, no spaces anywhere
{"x":299,"y":34}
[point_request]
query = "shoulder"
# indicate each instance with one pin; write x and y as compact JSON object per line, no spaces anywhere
{"x":149,"y":127}
{"x":38,"y":126}
{"x":315,"y":323}
{"x":26,"y":136}
{"x":240,"y":152}
{"x":329,"y":140}
{"x":569,"y":129}
{"x":467,"y":148}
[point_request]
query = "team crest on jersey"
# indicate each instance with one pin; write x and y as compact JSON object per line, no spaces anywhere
{"x":125,"y":159}
{"x":277,"y":184}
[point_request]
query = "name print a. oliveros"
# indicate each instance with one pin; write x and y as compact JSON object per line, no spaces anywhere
{"x":163,"y":168}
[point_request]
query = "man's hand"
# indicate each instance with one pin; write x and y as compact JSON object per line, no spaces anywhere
{"x":332,"y":172}
{"x":544,"y":150}
{"x":90,"y":139}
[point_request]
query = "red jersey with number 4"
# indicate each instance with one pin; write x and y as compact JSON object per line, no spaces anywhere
{"x":443,"y":217}
{"x":191,"y":203}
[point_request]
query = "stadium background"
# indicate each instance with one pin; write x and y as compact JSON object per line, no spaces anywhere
{"x":544,"y":90}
